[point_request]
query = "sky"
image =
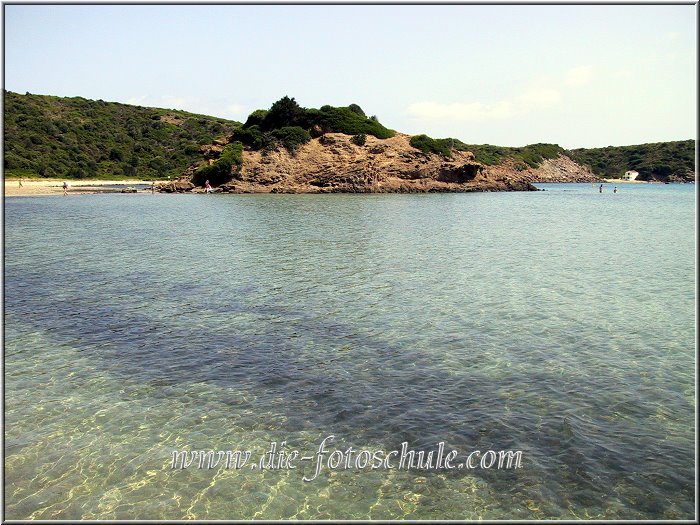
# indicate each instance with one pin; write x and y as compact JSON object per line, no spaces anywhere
{"x":511,"y":75}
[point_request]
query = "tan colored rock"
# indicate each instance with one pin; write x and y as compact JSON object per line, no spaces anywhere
{"x":561,"y":169}
{"x":332,"y":163}
{"x":212,"y":151}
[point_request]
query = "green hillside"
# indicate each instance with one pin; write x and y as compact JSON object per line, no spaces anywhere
{"x":659,"y":161}
{"x":663,"y":161}
{"x":525,"y":157}
{"x":50,"y":136}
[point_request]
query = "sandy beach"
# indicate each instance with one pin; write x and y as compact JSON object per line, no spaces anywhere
{"x":32,"y":187}
{"x":625,"y":181}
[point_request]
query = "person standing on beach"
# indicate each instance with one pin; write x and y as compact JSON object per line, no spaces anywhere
{"x":20,"y":181}
{"x":65,"y":188}
{"x":208,"y":187}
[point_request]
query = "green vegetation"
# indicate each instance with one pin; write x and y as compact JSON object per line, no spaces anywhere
{"x":356,"y":109}
{"x":48,"y":136}
{"x":291,"y":137}
{"x":345,"y":120}
{"x":527,"y":156}
{"x":283,"y":113}
{"x":253,"y":137}
{"x":428,"y":145}
{"x":289,"y":125}
{"x":359,"y":140}
{"x":660,"y":161}
{"x":255,"y":118}
{"x":488,"y":154}
{"x":220,"y":171}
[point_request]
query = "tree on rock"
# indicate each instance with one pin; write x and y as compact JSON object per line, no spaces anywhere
{"x":285,"y":112}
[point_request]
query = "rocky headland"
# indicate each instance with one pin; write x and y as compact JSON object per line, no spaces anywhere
{"x":333,"y":163}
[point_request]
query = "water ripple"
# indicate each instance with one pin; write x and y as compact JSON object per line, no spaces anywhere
{"x":484,"y":321}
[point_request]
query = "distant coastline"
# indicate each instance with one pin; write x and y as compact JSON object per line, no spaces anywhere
{"x":291,"y":149}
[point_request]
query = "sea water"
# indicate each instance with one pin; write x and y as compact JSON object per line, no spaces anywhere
{"x":559,"y":324}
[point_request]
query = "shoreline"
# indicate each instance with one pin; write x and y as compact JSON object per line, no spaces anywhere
{"x":47,"y":187}
{"x":38,"y":187}
{"x":625,"y":181}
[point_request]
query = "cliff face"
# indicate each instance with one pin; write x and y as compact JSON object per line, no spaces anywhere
{"x":333,"y":164}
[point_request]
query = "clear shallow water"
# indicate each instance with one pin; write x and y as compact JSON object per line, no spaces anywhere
{"x":558,"y":323}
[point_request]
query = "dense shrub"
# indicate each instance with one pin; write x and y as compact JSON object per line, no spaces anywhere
{"x":288,"y":124}
{"x":255,"y":118}
{"x":116,"y":154}
{"x":356,"y":109}
{"x":344,"y":120}
{"x":430,"y":145}
{"x":534,"y":154}
{"x":291,"y":137}
{"x":234,"y":153}
{"x":487,"y":154}
{"x":359,"y":139}
{"x":527,"y":156}
{"x":283,"y":113}
{"x":312,"y":117}
{"x":252,"y":137}
{"x":217,"y":173}
{"x":220,"y":171}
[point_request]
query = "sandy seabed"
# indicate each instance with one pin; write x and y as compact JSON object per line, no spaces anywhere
{"x":31,"y":187}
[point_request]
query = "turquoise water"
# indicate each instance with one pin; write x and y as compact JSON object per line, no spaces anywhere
{"x":557,"y":323}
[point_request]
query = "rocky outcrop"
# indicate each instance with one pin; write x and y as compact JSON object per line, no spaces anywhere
{"x":178,"y":186}
{"x":560,"y":169}
{"x":332,"y":163}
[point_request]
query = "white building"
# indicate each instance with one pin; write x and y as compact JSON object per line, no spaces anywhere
{"x":630,"y":175}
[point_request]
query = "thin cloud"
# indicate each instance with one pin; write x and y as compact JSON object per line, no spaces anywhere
{"x":236,"y":109}
{"x":579,"y":76}
{"x":461,"y":111}
{"x":532,"y":99}
{"x":538,"y":98}
{"x":136,"y":101}
{"x":164,"y":101}
{"x":622,"y":73}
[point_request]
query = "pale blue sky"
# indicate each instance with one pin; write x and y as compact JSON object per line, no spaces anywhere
{"x":577,"y":75}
